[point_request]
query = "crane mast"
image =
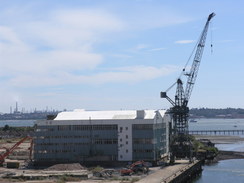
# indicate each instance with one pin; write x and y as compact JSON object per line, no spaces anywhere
{"x":180,"y":143}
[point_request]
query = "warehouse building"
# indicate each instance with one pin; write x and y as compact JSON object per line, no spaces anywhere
{"x":121,"y":136}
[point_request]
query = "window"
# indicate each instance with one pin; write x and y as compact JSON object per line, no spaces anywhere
{"x":142,"y":150}
{"x":64,"y":127}
{"x":127,"y":151}
{"x":126,"y":142}
{"x":142,"y":126}
{"x":126,"y":128}
{"x":143,"y":141}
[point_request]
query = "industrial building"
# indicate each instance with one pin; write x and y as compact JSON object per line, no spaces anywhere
{"x":107,"y":136}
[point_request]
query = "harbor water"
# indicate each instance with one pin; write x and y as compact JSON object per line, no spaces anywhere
{"x":217,"y":124}
{"x":224,"y":171}
{"x":17,"y":123}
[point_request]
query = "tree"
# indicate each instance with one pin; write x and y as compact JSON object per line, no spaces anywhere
{"x":6,"y":128}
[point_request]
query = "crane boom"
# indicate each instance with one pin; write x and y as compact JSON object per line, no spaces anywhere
{"x":196,"y":62}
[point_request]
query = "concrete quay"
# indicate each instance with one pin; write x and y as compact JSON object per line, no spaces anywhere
{"x":181,"y":171}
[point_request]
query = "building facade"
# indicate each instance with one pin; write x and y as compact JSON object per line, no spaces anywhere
{"x":80,"y":136}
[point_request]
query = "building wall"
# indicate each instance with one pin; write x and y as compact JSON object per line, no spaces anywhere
{"x":101,"y":140}
{"x":75,"y":142}
{"x":150,"y":141}
{"x":143,"y":142}
{"x":124,"y":141}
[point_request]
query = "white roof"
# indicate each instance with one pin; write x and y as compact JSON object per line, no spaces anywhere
{"x":81,"y":114}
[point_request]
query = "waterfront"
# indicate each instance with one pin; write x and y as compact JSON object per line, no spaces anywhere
{"x":224,"y":171}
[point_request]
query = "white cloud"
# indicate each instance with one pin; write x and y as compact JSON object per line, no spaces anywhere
{"x":116,"y":75}
{"x":184,"y":41}
{"x":141,"y":46}
{"x":62,"y":42}
{"x":157,"y":49}
{"x":74,"y":28}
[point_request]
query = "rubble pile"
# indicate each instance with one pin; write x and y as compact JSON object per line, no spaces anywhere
{"x":64,"y":167}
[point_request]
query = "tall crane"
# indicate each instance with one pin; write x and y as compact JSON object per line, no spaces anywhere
{"x":180,"y":143}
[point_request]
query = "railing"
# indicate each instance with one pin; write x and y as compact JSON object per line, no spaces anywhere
{"x":216,"y":132}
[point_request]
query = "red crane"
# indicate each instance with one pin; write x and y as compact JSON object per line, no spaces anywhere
{"x":10,"y":150}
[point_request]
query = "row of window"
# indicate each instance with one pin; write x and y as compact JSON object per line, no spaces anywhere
{"x":143,"y":150}
{"x":102,"y":127}
{"x":143,"y":141}
{"x":105,"y":141}
{"x":85,"y":127}
{"x":73,"y":150}
{"x":95,"y":141}
{"x":64,"y":127}
{"x":142,"y":126}
{"x":65,"y":137}
{"x":62,"y":144}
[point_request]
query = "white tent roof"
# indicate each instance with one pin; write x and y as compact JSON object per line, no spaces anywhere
{"x":81,"y":114}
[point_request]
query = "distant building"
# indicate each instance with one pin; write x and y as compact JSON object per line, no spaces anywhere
{"x":81,"y":136}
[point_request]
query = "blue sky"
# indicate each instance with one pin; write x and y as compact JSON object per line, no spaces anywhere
{"x":110,"y":55}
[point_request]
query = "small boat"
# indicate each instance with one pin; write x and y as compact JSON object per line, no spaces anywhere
{"x":193,"y":121}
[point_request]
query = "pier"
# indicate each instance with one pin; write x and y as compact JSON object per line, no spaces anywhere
{"x":216,"y":132}
{"x":181,"y":171}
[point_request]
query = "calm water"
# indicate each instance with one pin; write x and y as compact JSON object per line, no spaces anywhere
{"x":16,"y":122}
{"x":217,"y":124}
{"x":226,"y":171}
